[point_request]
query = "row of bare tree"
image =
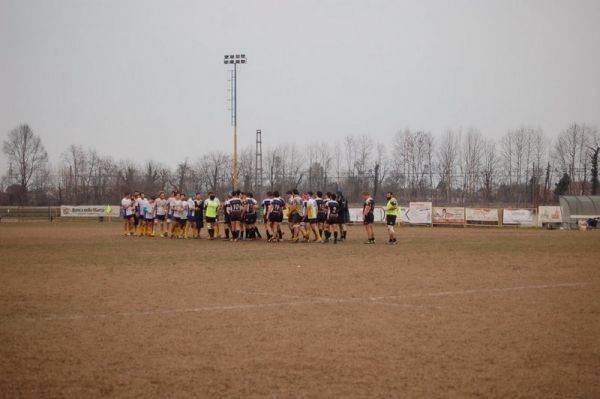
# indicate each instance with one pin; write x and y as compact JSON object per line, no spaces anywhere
{"x":523,"y":168}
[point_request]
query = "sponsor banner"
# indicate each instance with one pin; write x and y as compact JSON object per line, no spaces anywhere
{"x":403,"y":215}
{"x":482,"y":215}
{"x":549,"y":214}
{"x":518,"y":216}
{"x":85,"y":211}
{"x":448,"y":214}
{"x":419,"y":213}
{"x":356,"y":214}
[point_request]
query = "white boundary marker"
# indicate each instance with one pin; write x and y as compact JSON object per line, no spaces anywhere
{"x":300,"y":300}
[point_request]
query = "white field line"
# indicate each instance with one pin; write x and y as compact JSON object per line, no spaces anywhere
{"x":480,"y":291}
{"x":302,"y":300}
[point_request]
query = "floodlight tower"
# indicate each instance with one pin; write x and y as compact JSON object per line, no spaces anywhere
{"x":234,"y":59}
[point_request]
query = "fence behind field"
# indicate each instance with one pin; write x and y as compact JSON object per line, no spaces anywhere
{"x":23,"y":213}
{"x":419,"y":213}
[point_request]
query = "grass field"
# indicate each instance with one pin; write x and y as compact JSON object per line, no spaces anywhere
{"x":86,"y":312}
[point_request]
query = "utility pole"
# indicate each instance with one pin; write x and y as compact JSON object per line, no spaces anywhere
{"x":234,"y":60}
{"x":258,"y":165}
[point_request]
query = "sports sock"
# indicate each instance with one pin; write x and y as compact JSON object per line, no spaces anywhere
{"x":344,"y":234}
{"x":327,"y":235}
{"x":211,"y":233}
{"x":227,"y":233}
{"x":257,"y":233}
{"x":335,"y":234}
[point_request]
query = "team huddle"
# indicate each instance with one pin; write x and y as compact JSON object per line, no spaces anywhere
{"x":310,"y":216}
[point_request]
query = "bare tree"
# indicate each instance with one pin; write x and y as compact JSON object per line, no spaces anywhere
{"x":448,"y":153}
{"x":570,"y":152}
{"x":472,"y":150}
{"x":26,"y":154}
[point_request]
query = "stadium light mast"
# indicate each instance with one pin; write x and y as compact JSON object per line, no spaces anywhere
{"x":234,"y":59}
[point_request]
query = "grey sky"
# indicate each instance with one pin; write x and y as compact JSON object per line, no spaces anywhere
{"x":145,"y":78}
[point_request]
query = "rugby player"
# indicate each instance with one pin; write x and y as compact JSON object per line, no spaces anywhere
{"x":275,"y":217}
{"x":128,"y":210}
{"x":250,"y":205}
{"x":295,"y":216}
{"x":226,"y":215}
{"x":391,"y":212}
{"x":235,"y":215}
{"x":321,"y":212}
{"x":333,"y":209}
{"x":368,"y":216}
{"x":141,"y":202}
{"x":171,"y":225}
{"x":161,"y":211}
{"x":211,"y":210}
{"x":198,"y":215}
{"x":149,"y":215}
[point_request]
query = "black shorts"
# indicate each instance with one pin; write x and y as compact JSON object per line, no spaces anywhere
{"x":235,"y":217}
{"x":250,"y":218}
{"x":275,"y":217}
{"x":199,"y":223}
{"x":334,"y":219}
{"x":181,"y":222}
{"x":148,"y":220}
{"x":369,"y":219}
{"x":129,"y":217}
{"x":160,"y":217}
{"x":295,"y":218}
{"x":211,"y":220}
{"x":321,"y":217}
{"x":390,"y":220}
{"x":227,"y":218}
{"x":312,"y":221}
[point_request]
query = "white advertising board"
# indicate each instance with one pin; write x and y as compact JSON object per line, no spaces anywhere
{"x":549,"y":214}
{"x":523,"y":217}
{"x":356,"y":214}
{"x":481,"y":214}
{"x":419,"y":212}
{"x":86,"y":211}
{"x":448,"y":215}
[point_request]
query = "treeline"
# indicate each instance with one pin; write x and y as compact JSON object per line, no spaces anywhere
{"x":525,"y":167}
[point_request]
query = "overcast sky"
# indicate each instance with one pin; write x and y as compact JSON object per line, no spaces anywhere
{"x":145,"y":79}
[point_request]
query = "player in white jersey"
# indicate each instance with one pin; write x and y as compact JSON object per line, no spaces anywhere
{"x":171,"y":211}
{"x":176,"y":208}
{"x":191,"y":213}
{"x":183,"y":217}
{"x":162,"y":206}
{"x":295,"y":215}
{"x":149,"y":215}
{"x":311,"y":215}
{"x":128,"y":212}
{"x":140,"y":204}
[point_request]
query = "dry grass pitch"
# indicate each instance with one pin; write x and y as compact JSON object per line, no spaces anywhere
{"x":86,"y":312}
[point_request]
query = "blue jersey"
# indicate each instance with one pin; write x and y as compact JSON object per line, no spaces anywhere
{"x":277,"y":205}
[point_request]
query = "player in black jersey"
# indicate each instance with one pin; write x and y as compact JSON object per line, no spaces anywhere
{"x":250,"y":206}
{"x":321,"y":212}
{"x":333,"y":213}
{"x":265,"y":208}
{"x":368,"y":217}
{"x":226,"y":217}
{"x":344,"y":215}
{"x":275,"y":217}
{"x":235,"y":215}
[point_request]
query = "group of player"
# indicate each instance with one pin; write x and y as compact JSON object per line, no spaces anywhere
{"x":309,"y":214}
